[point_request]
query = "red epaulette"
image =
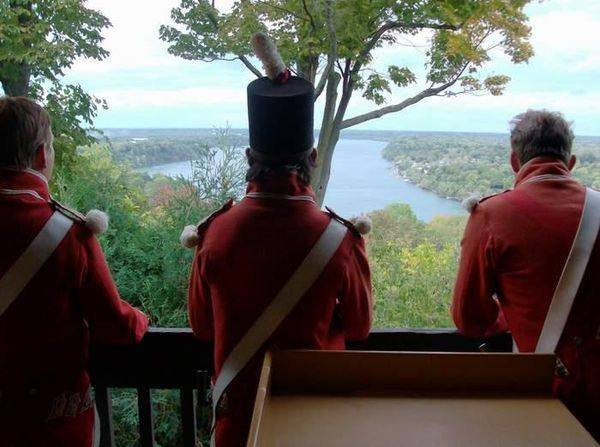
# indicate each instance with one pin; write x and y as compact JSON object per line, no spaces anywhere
{"x":483,"y":199}
{"x":72,"y":214}
{"x":470,"y":203}
{"x":205,"y":223}
{"x":343,"y":221}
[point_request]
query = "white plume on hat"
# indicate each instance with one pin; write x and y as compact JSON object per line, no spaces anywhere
{"x":471,"y":202}
{"x":189,"y":236}
{"x":96,"y":221}
{"x":267,"y":52}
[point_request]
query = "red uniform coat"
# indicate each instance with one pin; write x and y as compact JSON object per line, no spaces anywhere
{"x":244,"y":258}
{"x":515,"y":247}
{"x":45,"y":333}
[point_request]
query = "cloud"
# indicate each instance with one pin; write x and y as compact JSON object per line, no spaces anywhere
{"x":567,"y":38}
{"x":133,"y":40}
{"x":144,"y":84}
{"x":520,"y":101}
{"x":165,"y":99}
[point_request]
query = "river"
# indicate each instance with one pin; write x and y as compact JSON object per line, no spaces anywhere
{"x":361,"y":181}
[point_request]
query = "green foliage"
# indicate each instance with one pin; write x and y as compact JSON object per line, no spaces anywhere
{"x":155,"y":147}
{"x":458,"y":165}
{"x":375,"y":85}
{"x":48,"y":35}
{"x":39,"y":40}
{"x":413,"y":266}
{"x":142,"y":243}
{"x":463,"y":33}
{"x":218,"y":173}
{"x":142,"y":247}
{"x":331,"y":44}
{"x":166,"y":407}
{"x":401,"y":76}
{"x":72,"y":111}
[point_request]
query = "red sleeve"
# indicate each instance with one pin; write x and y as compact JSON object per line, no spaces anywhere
{"x":356,"y":304}
{"x":199,"y":301}
{"x":111,"y":320}
{"x":475,"y":309}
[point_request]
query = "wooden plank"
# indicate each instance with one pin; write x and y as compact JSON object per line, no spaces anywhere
{"x":146,"y":417}
{"x":463,"y":373}
{"x":386,"y":421}
{"x":188,"y":416}
{"x":104,"y":408}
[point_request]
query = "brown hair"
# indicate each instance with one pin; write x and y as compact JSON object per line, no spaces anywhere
{"x":24,"y":126}
{"x":304,"y":166}
{"x":538,"y":133}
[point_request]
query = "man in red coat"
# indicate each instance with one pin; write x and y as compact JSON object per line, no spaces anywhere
{"x":45,"y":332}
{"x":248,"y":251}
{"x":514,"y":249}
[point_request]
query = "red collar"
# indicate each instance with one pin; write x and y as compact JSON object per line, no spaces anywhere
{"x":281,"y":183}
{"x":27,"y":180}
{"x":542,"y":166}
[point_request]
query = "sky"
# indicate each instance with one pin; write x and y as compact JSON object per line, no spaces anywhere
{"x":146,"y":87}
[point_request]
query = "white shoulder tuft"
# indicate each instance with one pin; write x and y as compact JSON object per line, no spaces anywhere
{"x":266,"y":51}
{"x":362,"y":224}
{"x":189,"y":236}
{"x":471,"y":202}
{"x":96,"y":221}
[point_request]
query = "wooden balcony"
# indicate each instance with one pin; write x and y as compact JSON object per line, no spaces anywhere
{"x":174,"y":359}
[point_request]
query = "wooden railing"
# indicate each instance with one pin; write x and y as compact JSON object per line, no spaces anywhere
{"x":174,"y":359}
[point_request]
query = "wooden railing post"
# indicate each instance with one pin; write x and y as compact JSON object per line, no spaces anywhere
{"x":188,"y":416}
{"x":104,"y":408}
{"x":146,"y":417}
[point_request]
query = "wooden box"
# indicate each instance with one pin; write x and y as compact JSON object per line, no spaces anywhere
{"x":381,"y":399}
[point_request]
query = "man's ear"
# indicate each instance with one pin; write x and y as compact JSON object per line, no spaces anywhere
{"x":314,"y":155}
{"x":571,"y":163}
{"x":40,"y":161}
{"x":514,"y":162}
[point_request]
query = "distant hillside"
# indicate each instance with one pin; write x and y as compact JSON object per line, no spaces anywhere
{"x":148,"y":147}
{"x":451,"y":164}
{"x":460,"y":164}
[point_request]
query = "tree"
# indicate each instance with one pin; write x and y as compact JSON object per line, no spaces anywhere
{"x":39,"y":40}
{"x":332,"y":42}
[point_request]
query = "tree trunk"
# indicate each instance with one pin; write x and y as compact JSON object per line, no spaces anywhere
{"x":307,"y":68}
{"x":327,"y":139}
{"x":330,"y":133}
{"x":322,"y":173}
{"x":16,"y":76}
{"x":17,"y":84}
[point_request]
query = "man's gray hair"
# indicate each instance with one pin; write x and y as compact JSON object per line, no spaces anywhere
{"x":538,"y":133}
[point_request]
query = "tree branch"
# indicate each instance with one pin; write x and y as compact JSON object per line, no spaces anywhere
{"x":284,"y":10}
{"x":389,"y":109}
{"x":431,"y":91}
{"x":249,"y":66}
{"x":388,"y":26}
{"x":332,"y":56}
{"x":313,"y":25}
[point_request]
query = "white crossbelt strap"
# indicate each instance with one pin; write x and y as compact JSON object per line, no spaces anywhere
{"x":33,"y":258}
{"x":303,"y":278}
{"x":572,"y":275}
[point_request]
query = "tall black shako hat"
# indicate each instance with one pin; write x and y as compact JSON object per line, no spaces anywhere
{"x":280,"y":109}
